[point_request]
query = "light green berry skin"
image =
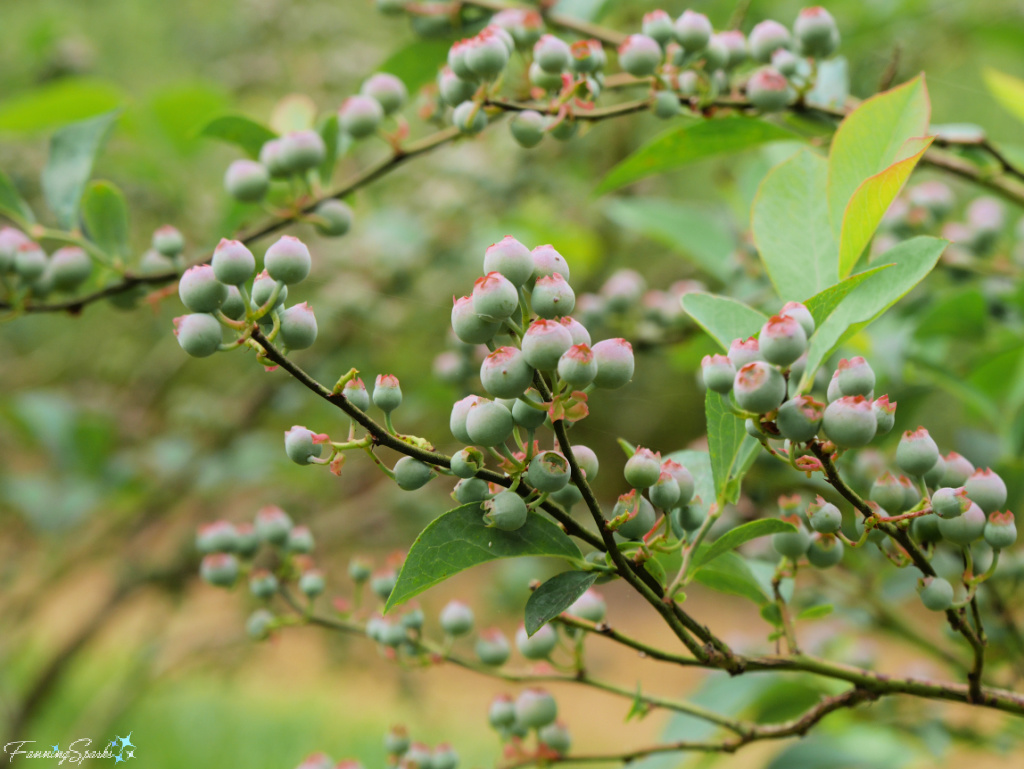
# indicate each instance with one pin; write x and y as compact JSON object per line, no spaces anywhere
{"x":642,"y":470}
{"x":488,"y":423}
{"x":689,"y":517}
{"x":69,"y":267}
{"x":247,"y":181}
{"x":548,"y":472}
{"x":467,"y":462}
{"x":234,"y":305}
{"x":759,"y":387}
{"x":964,"y":529}
{"x":259,"y":625}
{"x":506,"y":511}
{"x":493,"y":651}
{"x":411,"y":474}
{"x":825,"y":552}
{"x":299,"y":446}
{"x":535,"y":708}
{"x":642,"y":523}
{"x":792,"y":544}
{"x":501,"y":713}
{"x":666,"y":105}
{"x":336,"y":218}
{"x":471,"y":490}
{"x":298,"y":327}
{"x":556,"y":737}
{"x":937,"y":594}
{"x":469,"y":118}
{"x":527,"y":128}
{"x":200,"y":291}
{"x":456,"y":619}
{"x":664,"y":493}
{"x":916,"y":456}
{"x":288,"y":260}
{"x":564,"y":130}
{"x":198,"y":334}
{"x":926,"y":529}
{"x":794,"y":423}
{"x":826,"y":519}
{"x":538,"y":646}
{"x":1000,"y":536}
{"x":987,"y":490}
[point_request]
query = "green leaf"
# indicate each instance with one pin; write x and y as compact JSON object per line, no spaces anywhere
{"x":240,"y":131}
{"x":963,"y":314}
{"x":105,"y":215}
{"x":816,"y":612}
{"x":690,"y":230}
{"x":728,"y":573}
{"x":824,"y":302}
{"x":458,"y":540}
{"x":870,"y":202}
{"x":1007,"y":90}
{"x":791,"y":227}
{"x":12,"y":205}
{"x":555,"y":596}
{"x":58,"y":103}
{"x":726,"y":434}
{"x":627,"y":448}
{"x":699,"y":465}
{"x":910,"y":261}
{"x":723,"y":318}
{"x":871,"y":139}
{"x":733,"y":538}
{"x":330,"y":133}
{"x":72,"y":152}
{"x":689,"y":142}
{"x":181,"y":109}
{"x":416,"y":64}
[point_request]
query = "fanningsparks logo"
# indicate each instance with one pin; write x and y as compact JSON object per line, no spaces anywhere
{"x":120,"y":749}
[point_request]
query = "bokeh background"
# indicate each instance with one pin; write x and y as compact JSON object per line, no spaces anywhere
{"x":114,"y":445}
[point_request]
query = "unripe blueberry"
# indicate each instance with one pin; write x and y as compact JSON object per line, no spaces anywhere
{"x":506,"y":511}
{"x":453,"y":89}
{"x":548,"y":471}
{"x":855,"y":377}
{"x":759,"y":387}
{"x":387,"y":393}
{"x":511,"y":259}
{"x":272,"y":158}
{"x":263,"y":584}
{"x":547,"y":261}
{"x":216,"y":537}
{"x":263,"y":289}
{"x":355,"y":393}
{"x":259,"y":624}
{"x":552,"y":54}
{"x":359,"y":116}
{"x":769,"y":91}
{"x":799,"y":418}
{"x":198,"y":334}
{"x":456,"y":618}
{"x":471,"y":490}
{"x":388,"y":90}
{"x":492,"y":647}
{"x":168,"y":241}
{"x":850,"y":421}
{"x":735,"y":45}
{"x":888,"y":493}
{"x":470,"y":327}
{"x":785,"y":62}
{"x":816,"y":32}
{"x":658,"y":25}
{"x":288,"y":260}
{"x":933,"y":477}
{"x":300,"y":446}
{"x":469,"y":117}
{"x":412,"y":474}
{"x":666,"y":105}
{"x":233,"y":264}
{"x":833,"y":393}
{"x":567,"y":496}
{"x":535,"y":708}
{"x":300,"y":540}
{"x":586,"y":460}
{"x":458,"y":60}
{"x":539,"y":645}
{"x":494,"y":297}
{"x":693,"y":31}
{"x":1000,"y":531}
{"x":643,"y":468}
{"x":958,"y":470}
{"x":467,"y":462}
{"x":487,"y":55}
{"x":577,"y":366}
{"x":665,"y":491}
{"x":444,"y":757}
{"x":544,"y":342}
{"x":934,"y":195}
{"x":272,"y":525}
{"x":200,"y":290}
{"x":885,"y":414}
{"x":792,"y":544}
{"x":987,"y":490}
{"x":505,"y":373}
{"x":70,"y":266}
{"x":334,"y":218}
{"x":587,"y":56}
{"x":825,"y":551}
{"x":964,"y":529}
{"x":615,"y":363}
{"x":526,"y":416}
{"x":528,"y":127}
{"x":688,"y":517}
{"x":382,"y":583}
{"x":950,"y":502}
{"x":523,"y":24}
{"x":397,"y":741}
{"x":917,"y":452}
{"x":546,"y":81}
{"x":298,"y":327}
{"x":925,"y":529}
{"x":589,"y":606}
{"x":552,"y":296}
{"x":718,"y":373}
{"x":219,"y":569}
{"x":766,"y":38}
{"x":683,"y":477}
{"x":642,"y":511}
{"x":744,"y":351}
{"x":640,"y":55}
{"x":688,"y":83}
{"x":247,"y":180}
{"x":457,"y":422}
{"x":824,"y":517}
{"x":10,"y":240}
{"x":555,"y":736}
{"x":623,"y":290}
{"x":488,"y":423}
{"x":247,"y":542}
{"x":302,"y":150}
{"x":502,"y":711}
{"x":936,"y":593}
{"x":359,"y":571}
{"x":311,"y":583}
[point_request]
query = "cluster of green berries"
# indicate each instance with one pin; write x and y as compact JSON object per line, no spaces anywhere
{"x":536,"y":711}
{"x":626,"y":305}
{"x":657,"y":486}
{"x":406,"y":754}
{"x":228,"y":294}
{"x":25,"y":268}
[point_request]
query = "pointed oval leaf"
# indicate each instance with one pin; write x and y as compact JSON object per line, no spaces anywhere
{"x":1008,"y":91}
{"x":723,"y":318}
{"x":824,"y":302}
{"x":12,"y":205}
{"x":730,"y":574}
{"x":240,"y":131}
{"x":738,"y":536}
{"x":73,"y":149}
{"x":105,"y":216}
{"x":555,"y":596}
{"x":726,"y":435}
{"x":58,"y":103}
{"x":459,"y":540}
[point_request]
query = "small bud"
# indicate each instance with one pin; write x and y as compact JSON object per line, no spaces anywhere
{"x":1000,"y":531}
{"x":718,"y":373}
{"x":586,"y":460}
{"x":272,"y":525}
{"x":453,"y":89}
{"x":588,"y":56}
{"x":539,"y":645}
{"x":658,"y":25}
{"x":259,"y":624}
{"x":219,"y":569}
{"x":69,"y":267}
{"x":300,"y":445}
{"x":359,"y":571}
{"x":693,"y":31}
{"x":640,"y":55}
{"x":470,"y":490}
{"x":412,"y":474}
{"x":356,"y":394}
{"x":334,"y":218}
{"x":785,"y":62}
{"x":311,"y":583}
{"x":456,"y":618}
{"x":888,"y":493}
{"x":544,"y":343}
{"x":735,"y":45}
{"x":457,"y":421}
{"x":383,"y":582}
{"x":615,"y":363}
{"x":502,"y":712}
{"x":552,"y":54}
{"x":506,"y":511}
{"x":198,"y":334}
{"x":467,"y":462}
{"x":987,"y":490}
{"x":216,"y":537}
{"x":263,"y":584}
{"x":850,"y":421}
{"x":387,"y":393}
{"x":300,"y":540}
{"x":766,"y":38}
{"x":359,"y":116}
{"x":493,"y":648}
{"x":917,"y":452}
{"x":388,"y":90}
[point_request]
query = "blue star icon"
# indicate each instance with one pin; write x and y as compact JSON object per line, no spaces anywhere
{"x":56,"y":748}
{"x":126,"y":742}
{"x":118,"y":759}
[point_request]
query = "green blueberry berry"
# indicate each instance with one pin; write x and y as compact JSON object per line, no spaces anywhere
{"x":359,"y":116}
{"x":200,"y":290}
{"x":467,"y":462}
{"x":247,"y":542}
{"x":544,"y":343}
{"x":666,"y":105}
{"x":615,"y":363}
{"x":552,"y":296}
{"x":198,"y":334}
{"x":936,"y":593}
{"x":457,"y":421}
{"x":802,"y":315}
{"x":233,"y":264}
{"x":567,"y":496}
{"x":444,"y":757}
{"x":506,"y":511}
{"x":925,"y":529}
{"x":69,"y":267}
{"x":986,"y":489}
{"x":934,"y":195}
{"x":688,"y":83}
{"x":964,"y":529}
{"x":718,"y":373}
{"x":552,"y":54}
{"x":333,"y":218}
{"x":933,"y":477}
{"x":759,"y":387}
{"x":824,"y":517}
{"x":528,"y":128}
{"x":735,"y":43}
{"x":586,"y":460}
{"x":247,"y":180}
{"x":640,"y":55}
{"x":412,"y":474}
{"x":526,"y":416}
{"x":505,"y":373}
{"x":683,"y":478}
{"x":547,"y":261}
{"x":665,"y":491}
{"x":564,"y":129}
{"x":547,"y":81}
{"x":356,"y":394}
{"x":487,"y":55}
{"x":911,"y":496}
{"x":816,"y":32}
{"x":300,"y":540}
{"x":769,"y":91}
{"x":885,"y":414}
{"x":555,"y":737}
{"x":744,"y":351}
{"x":469,"y":117}
{"x":782,"y":340}
{"x":643,"y":468}
{"x":387,"y":393}
{"x":10,"y":240}
{"x":958,"y":470}
{"x":272,"y":158}
{"x":458,"y":60}
{"x":888,"y":493}
{"x":825,"y":551}
{"x":792,"y":544}
{"x":539,"y":645}
{"x":588,"y":56}
{"x":917,"y":452}
{"x":535,"y":708}
{"x":501,"y":712}
{"x":495,"y":297}
{"x":693,"y":31}
{"x":259,"y":625}
{"x":453,"y":89}
{"x":1000,"y":531}
{"x":834,"y":392}
{"x":288,"y":260}
{"x":488,"y":423}
{"x":388,"y":90}
{"x":413,"y":619}
{"x":263,"y":584}
{"x":577,"y":366}
{"x":219,"y":569}
{"x":850,"y":421}
{"x":216,"y":537}
{"x":642,"y":512}
{"x":298,"y":326}
{"x":301,"y":445}
{"x":456,"y":618}
{"x":766,"y":38}
{"x":263,"y":288}
{"x":855,"y":377}
{"x":548,"y":472}
{"x":168,"y":241}
{"x":493,"y":648}
{"x":471,"y":490}
{"x":589,"y":606}
{"x":799,"y":418}
{"x":511,"y":259}
{"x":658,"y":25}
{"x":359,"y":570}
{"x":688,"y":517}
{"x":302,"y":150}
{"x":396,"y":741}
{"x":470,"y":327}
{"x":383,"y":582}
{"x":785,"y":62}
{"x":272,"y":525}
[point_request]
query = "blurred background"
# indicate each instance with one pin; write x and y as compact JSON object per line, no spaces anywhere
{"x":114,"y":445}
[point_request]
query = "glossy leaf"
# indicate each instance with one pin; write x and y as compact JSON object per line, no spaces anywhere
{"x":723,"y":318}
{"x":105,"y":216}
{"x":1007,"y":90}
{"x":72,"y":152}
{"x":816,"y":612}
{"x":416,"y":64}
{"x":740,"y":535}
{"x":12,"y":205}
{"x":823,"y":303}
{"x":689,"y":142}
{"x":726,"y":434}
{"x":459,"y":540}
{"x":792,"y":232}
{"x":555,"y":596}
{"x":728,"y":573}
{"x":239,"y":130}
{"x":699,"y":465}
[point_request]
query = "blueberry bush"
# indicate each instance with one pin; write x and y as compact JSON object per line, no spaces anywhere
{"x":881,"y":253}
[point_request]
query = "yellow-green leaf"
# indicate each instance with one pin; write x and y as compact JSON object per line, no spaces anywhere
{"x":1008,"y":91}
